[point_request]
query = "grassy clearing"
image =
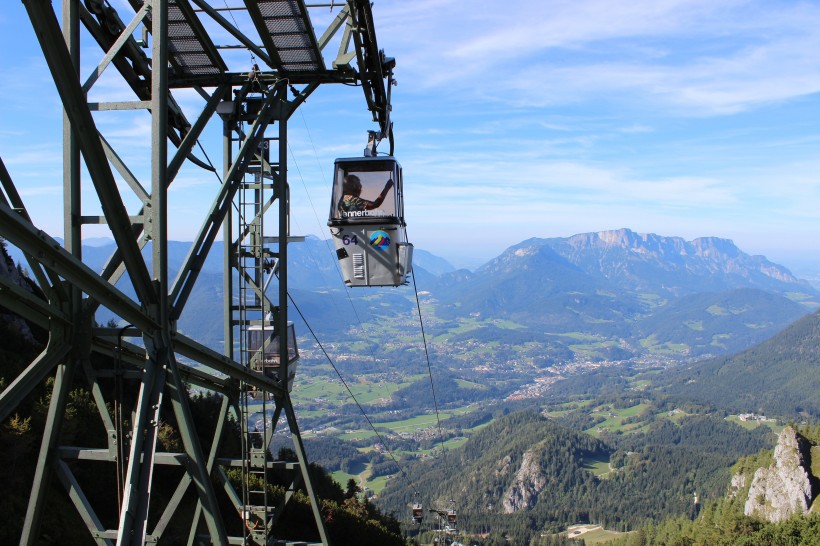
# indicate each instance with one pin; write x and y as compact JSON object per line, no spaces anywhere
{"x":376,"y":485}
{"x":414,"y":423}
{"x":716,"y":310}
{"x":330,"y":389}
{"x":592,"y":534}
{"x":599,"y":536}
{"x":567,"y":407}
{"x":318,"y":388}
{"x":641,"y":385}
{"x":506,"y":324}
{"x":466,"y":325}
{"x":676,"y":415}
{"x":357,"y":435}
{"x":454,"y":443}
{"x":427,"y":420}
{"x":343,"y":477}
{"x":696,"y":325}
{"x":615,"y":419}
{"x":652,"y":344}
{"x":798,"y":296}
{"x":367,"y":393}
{"x":652,"y":300}
{"x":557,"y":413}
{"x":599,"y":466}
{"x":580,"y":336}
{"x":633,"y":411}
{"x":470,"y":385}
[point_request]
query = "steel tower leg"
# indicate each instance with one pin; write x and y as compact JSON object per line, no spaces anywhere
{"x":47,"y":457}
{"x":65,"y":370}
{"x":284,"y":233}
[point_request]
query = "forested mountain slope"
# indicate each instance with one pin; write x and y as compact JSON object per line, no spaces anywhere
{"x":524,"y":474}
{"x":725,"y":322}
{"x":780,"y":376}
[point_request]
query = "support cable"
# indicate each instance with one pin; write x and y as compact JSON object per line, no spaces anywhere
{"x":316,"y":216}
{"x":429,"y":371}
{"x":230,"y":12}
{"x":350,"y":392}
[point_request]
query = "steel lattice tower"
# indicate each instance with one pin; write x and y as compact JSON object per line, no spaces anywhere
{"x":153,"y":370}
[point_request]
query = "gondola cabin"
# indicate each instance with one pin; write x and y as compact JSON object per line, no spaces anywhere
{"x":418,"y":513}
{"x":451,"y":519}
{"x":367,"y":222}
{"x":263,"y":351}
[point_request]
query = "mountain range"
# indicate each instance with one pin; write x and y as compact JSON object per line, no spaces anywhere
{"x":640,"y":291}
{"x":625,"y":293}
{"x":535,"y":471}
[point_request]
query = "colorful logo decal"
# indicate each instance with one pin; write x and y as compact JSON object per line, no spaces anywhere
{"x":380,"y":239}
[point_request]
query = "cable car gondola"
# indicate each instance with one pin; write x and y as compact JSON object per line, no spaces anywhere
{"x":418,"y":513}
{"x":452,"y":520}
{"x":263,"y":335}
{"x":367,"y":222}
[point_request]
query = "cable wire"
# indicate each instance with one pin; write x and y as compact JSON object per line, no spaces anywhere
{"x":429,"y":370}
{"x":350,"y":392}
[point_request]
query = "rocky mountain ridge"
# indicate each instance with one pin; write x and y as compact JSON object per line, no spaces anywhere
{"x":671,"y":264}
{"x":622,"y":293}
{"x":637,"y":293}
{"x":785,"y":488}
{"x":529,"y":481}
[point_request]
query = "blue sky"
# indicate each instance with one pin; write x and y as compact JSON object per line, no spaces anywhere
{"x":523,"y":119}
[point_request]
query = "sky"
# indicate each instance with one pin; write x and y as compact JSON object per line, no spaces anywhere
{"x":519,"y":119}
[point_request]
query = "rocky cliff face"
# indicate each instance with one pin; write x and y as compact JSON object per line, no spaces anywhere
{"x":529,"y":481}
{"x":785,"y":488}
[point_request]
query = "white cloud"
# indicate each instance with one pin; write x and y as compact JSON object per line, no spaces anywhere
{"x":692,"y":57}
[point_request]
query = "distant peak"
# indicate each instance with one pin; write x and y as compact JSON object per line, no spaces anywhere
{"x":619,"y":236}
{"x":710,"y":246}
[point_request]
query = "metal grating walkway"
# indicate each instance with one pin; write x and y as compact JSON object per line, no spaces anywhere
{"x":189,"y":46}
{"x":190,"y":50}
{"x":287,"y":34}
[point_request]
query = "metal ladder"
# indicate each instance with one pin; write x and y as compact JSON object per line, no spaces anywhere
{"x":254,"y":267}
